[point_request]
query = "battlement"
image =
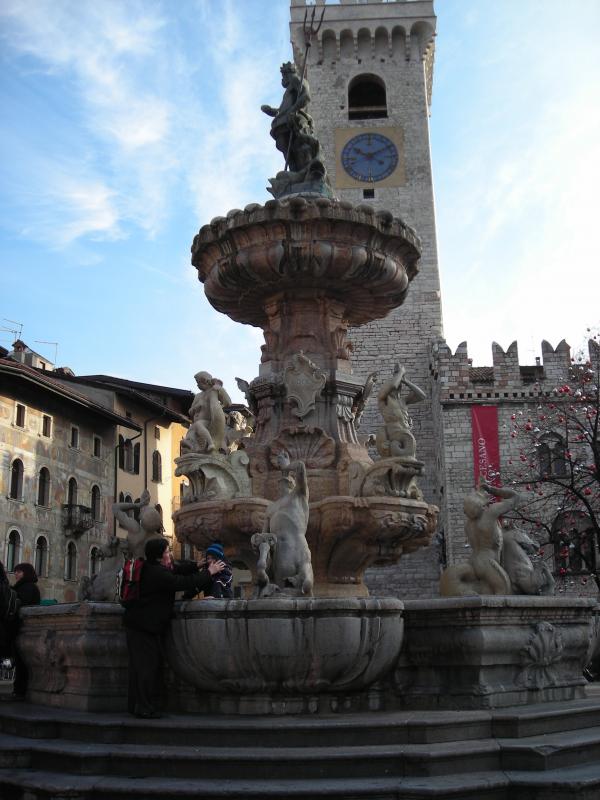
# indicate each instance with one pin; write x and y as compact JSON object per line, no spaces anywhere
{"x":507,"y":379}
{"x":363,"y":32}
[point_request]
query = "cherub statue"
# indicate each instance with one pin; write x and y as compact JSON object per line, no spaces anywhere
{"x":394,"y":439}
{"x":138,"y":533}
{"x":237,"y":429}
{"x":284,"y":562}
{"x":207,"y":431}
{"x":483,"y":573}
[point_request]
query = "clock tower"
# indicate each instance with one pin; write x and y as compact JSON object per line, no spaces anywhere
{"x":370,"y":69}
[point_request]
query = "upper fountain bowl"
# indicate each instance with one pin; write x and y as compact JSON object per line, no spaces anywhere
{"x":362,"y":258}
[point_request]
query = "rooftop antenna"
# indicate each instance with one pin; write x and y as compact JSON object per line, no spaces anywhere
{"x":18,"y":331}
{"x":41,"y":341}
{"x":310,"y":29}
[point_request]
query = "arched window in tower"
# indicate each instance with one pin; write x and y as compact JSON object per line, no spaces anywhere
{"x":71,"y":562}
{"x":43,"y":498}
{"x":16,"y":479}
{"x":13,"y":550}
{"x":41,"y":556}
{"x":72,"y":492}
{"x":95,"y":503}
{"x":367,"y":98}
{"x":156,"y":467}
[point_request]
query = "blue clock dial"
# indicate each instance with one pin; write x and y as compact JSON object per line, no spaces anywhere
{"x":369,"y":157}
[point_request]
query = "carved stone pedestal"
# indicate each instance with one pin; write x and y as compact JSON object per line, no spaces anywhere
{"x":492,"y":652}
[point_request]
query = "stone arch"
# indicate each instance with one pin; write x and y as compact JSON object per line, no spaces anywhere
{"x":398,"y":42}
{"x":346,"y":44}
{"x":364,"y":43}
{"x":421,"y":34}
{"x":382,"y":43}
{"x":329,"y":45}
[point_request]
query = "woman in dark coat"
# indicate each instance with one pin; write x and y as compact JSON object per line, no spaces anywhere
{"x":146,"y":621}
{"x":28,"y":593}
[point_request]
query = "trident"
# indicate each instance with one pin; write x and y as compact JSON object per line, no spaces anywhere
{"x":309,"y":29}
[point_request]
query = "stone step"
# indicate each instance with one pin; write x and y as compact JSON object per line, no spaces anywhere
{"x":581,"y":783}
{"x":38,"y":785}
{"x":523,"y":721}
{"x":552,"y":751}
{"x":250,"y":763}
{"x":234,"y":731}
{"x":24,"y":719}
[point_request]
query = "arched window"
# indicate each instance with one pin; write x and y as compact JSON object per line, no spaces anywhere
{"x":43,"y":487}
{"x":574,"y":544}
{"x":94,"y":561}
{"x":41,"y":556}
{"x":329,"y":45}
{"x":13,"y":550}
{"x":551,"y":456}
{"x":367,"y":98}
{"x":128,"y":456}
{"x":72,"y":492}
{"x":121,"y":451}
{"x":136,"y":458}
{"x":71,"y":562}
{"x":16,"y":479}
{"x":156,"y":467}
{"x":95,"y":503}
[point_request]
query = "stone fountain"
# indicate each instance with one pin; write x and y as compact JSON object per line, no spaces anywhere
{"x":303,"y":267}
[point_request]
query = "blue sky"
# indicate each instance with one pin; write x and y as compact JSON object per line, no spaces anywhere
{"x":127,"y":125}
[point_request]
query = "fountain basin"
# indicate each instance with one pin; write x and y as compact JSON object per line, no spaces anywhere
{"x":346,"y":535}
{"x":281,"y":655}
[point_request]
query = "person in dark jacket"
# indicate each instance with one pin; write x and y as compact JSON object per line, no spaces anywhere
{"x":146,"y":621}
{"x":29,"y":595}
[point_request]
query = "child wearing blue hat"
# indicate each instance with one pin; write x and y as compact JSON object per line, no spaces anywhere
{"x":221,"y":581}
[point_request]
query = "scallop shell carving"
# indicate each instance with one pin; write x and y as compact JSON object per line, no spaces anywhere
{"x":311,"y":445}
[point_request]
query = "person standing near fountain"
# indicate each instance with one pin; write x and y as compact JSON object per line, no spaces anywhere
{"x":146,"y":621}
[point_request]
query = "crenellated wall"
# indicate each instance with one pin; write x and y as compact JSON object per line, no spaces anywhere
{"x":508,"y":385}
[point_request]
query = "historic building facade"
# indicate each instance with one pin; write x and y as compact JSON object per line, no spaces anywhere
{"x":56,"y":477}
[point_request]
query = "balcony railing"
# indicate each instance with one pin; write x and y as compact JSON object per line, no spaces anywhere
{"x":76,"y":519}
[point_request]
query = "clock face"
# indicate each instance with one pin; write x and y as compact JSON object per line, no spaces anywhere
{"x":370,"y":157}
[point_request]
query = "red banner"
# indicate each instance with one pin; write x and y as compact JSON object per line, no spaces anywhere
{"x":486,"y":449}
